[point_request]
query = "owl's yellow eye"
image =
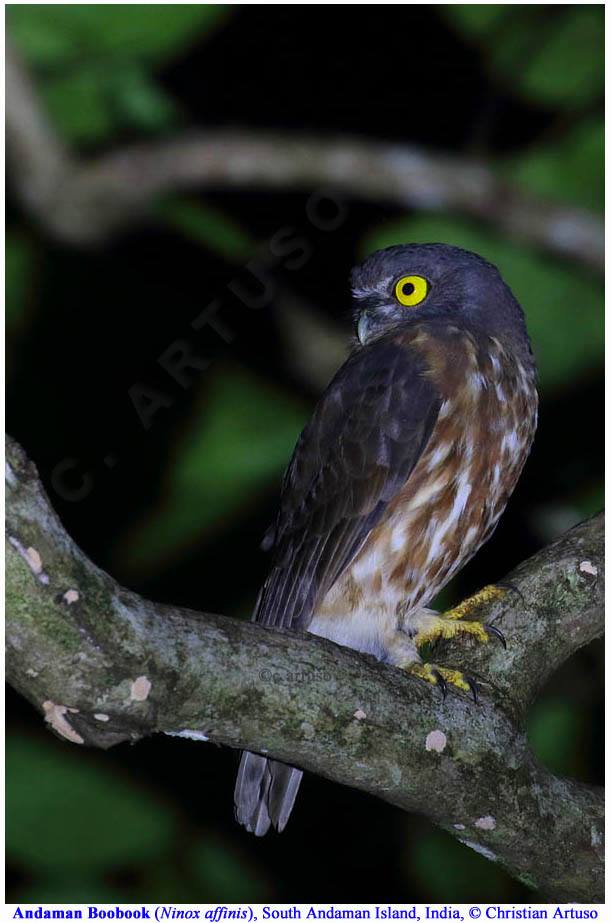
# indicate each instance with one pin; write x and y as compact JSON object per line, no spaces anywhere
{"x":411,"y":290}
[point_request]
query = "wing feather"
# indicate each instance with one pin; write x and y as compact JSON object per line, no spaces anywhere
{"x":366,"y":435}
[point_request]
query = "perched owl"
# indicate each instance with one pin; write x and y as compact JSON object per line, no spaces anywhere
{"x":400,"y":476}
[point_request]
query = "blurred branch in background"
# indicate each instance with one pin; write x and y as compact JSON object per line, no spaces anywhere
{"x":104,"y":665}
{"x":82,"y":200}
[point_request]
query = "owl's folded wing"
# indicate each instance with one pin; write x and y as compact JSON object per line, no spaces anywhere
{"x":366,"y":435}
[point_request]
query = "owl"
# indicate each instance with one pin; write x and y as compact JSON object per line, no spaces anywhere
{"x":400,"y":476}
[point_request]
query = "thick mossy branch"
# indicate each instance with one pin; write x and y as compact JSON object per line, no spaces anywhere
{"x":104,"y":666}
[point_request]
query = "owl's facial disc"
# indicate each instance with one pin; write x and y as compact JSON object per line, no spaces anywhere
{"x":432,"y":283}
{"x":375,"y":315}
{"x":384,"y":306}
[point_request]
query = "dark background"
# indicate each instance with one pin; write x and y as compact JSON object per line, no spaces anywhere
{"x":177,"y":512}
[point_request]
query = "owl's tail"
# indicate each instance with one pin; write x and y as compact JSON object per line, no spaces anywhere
{"x":265,"y":793}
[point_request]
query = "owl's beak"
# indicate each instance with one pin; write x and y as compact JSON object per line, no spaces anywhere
{"x":364,"y":324}
{"x":370,"y":320}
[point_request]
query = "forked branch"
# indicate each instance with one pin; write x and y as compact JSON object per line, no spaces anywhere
{"x":104,"y":665}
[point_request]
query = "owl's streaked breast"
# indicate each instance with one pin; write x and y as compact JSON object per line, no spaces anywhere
{"x":459,"y":488}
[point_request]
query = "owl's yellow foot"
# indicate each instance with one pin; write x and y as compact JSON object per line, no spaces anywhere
{"x":439,"y":628}
{"x":471,"y":606}
{"x":432,"y":628}
{"x":443,"y":677}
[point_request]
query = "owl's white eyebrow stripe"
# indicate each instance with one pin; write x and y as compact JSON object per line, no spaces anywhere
{"x":381,"y":287}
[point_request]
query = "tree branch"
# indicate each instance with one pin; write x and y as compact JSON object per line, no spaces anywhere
{"x":83,"y":201}
{"x":104,"y":666}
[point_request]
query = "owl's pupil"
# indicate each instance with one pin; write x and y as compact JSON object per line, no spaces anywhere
{"x":407,"y":288}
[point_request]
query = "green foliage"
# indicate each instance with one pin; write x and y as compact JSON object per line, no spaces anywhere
{"x":95,"y":62}
{"x":475,"y":19}
{"x":563,"y":305}
{"x":19,"y":267}
{"x":89,"y":103}
{"x":237,"y":443}
{"x":65,"y":811}
{"x":556,"y":733}
{"x":208,"y":226}
{"x":81,"y":103}
{"x":221,"y":875}
{"x":569,"y":69}
{"x":553,"y":60}
{"x":570,"y":170}
{"x":62,"y":34}
{"x":63,"y":886}
{"x":443,"y":865}
{"x":75,"y":825}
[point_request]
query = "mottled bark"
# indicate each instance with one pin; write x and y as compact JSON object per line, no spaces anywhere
{"x":104,"y":665}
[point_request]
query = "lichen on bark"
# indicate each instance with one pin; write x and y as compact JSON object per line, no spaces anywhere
{"x":150,"y":668}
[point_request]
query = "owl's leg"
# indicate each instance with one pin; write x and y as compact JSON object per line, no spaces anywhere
{"x":428,"y":627}
{"x":401,"y":651}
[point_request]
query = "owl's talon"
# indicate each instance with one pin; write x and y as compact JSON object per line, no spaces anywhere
{"x":444,"y":677}
{"x":473,"y":688}
{"x":441,"y":682}
{"x":493,"y":630}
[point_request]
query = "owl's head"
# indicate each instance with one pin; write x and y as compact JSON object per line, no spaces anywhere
{"x":415,"y":283}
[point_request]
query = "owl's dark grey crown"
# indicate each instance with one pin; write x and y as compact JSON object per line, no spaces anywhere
{"x":431,"y":260}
